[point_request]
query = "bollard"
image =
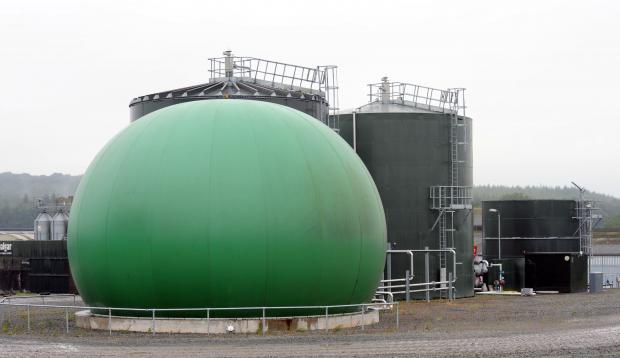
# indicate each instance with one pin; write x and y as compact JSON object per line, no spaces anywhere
{"x":110,"y":321}
{"x":28,"y":307}
{"x":450,"y":293}
{"x":326,"y":318}
{"x":407,"y":287}
{"x":153,"y":322}
{"x":67,"y":319}
{"x":362,"y":317}
{"x":264,"y":322}
{"x":426,"y":274}
{"x":397,"y":318}
{"x":208,"y":321}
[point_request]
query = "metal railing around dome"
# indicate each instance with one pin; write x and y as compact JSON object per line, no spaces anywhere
{"x":322,"y":79}
{"x":6,"y":305}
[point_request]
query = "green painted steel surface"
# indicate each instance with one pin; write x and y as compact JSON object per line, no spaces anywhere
{"x":226,"y":203}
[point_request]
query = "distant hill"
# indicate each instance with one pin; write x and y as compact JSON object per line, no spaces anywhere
{"x":18,"y":193}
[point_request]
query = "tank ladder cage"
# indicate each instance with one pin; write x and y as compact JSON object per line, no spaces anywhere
{"x":321,"y":79}
{"x":451,"y":100}
{"x":588,"y":215}
{"x":448,"y":197}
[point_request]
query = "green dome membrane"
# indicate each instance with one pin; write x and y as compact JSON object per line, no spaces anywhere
{"x":226,"y":203}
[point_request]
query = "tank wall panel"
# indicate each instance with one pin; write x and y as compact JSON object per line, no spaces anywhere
{"x":314,"y":108}
{"x":530,"y":218}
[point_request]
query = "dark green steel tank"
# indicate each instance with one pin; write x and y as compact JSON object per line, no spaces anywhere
{"x":406,"y":147}
{"x":226,"y":203}
{"x":530,"y":227}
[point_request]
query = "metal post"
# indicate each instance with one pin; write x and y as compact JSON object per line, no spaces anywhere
{"x":153,"y":322}
{"x":499,"y":235}
{"x":450,"y":293}
{"x":264,"y":322}
{"x":208,"y":321}
{"x":28,"y":307}
{"x":74,"y":300}
{"x":407,"y":287}
{"x":397,"y":314}
{"x":426,"y":275}
{"x":326,"y":318}
{"x":67,"y":318}
{"x":354,"y":133}
{"x":389,"y":270}
{"x":110,"y":321}
{"x":362,"y":317}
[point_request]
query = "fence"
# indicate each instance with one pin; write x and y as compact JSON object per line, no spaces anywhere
{"x":610,"y":267}
{"x":10,"y":311}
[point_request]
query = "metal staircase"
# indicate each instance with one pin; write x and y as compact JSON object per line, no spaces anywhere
{"x":445,"y":199}
{"x":448,"y":199}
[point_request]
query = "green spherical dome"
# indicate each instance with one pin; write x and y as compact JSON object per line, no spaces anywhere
{"x":226,"y":203}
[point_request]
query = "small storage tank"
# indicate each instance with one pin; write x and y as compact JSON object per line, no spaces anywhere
{"x":59,"y":226}
{"x":312,"y":90}
{"x":417,"y":144}
{"x":42,"y":227}
{"x":529,"y":226}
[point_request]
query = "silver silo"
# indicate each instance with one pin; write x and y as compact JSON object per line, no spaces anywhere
{"x":59,"y":226}
{"x":42,"y":227}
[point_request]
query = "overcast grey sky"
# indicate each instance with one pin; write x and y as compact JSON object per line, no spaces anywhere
{"x":542,"y":77}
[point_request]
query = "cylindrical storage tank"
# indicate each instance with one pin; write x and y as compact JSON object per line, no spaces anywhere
{"x":226,"y":203}
{"x":529,"y":226}
{"x":313,"y":105}
{"x":248,"y":78}
{"x":42,"y":225}
{"x":59,"y":226}
{"x":406,"y":148}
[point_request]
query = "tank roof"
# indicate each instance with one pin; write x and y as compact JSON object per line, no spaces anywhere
{"x":246,"y":77}
{"x":400,"y":97}
{"x":392,"y":107}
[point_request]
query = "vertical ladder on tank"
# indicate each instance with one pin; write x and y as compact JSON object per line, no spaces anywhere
{"x":448,"y":199}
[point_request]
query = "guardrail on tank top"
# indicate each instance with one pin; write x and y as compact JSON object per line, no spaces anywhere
{"x":13,"y":314}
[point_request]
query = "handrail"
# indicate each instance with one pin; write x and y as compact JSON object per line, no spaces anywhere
{"x":263,"y":309}
{"x":189,"y":308}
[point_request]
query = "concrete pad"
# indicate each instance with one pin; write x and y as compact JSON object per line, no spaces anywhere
{"x":86,"y":319}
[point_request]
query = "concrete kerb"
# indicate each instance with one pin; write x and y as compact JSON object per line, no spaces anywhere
{"x":86,"y":319}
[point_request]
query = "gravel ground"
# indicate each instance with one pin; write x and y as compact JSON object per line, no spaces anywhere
{"x":485,"y":326}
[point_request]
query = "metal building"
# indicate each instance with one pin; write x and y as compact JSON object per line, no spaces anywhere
{"x":34,"y":265}
{"x":417,"y":144}
{"x":312,"y":90}
{"x":541,"y":244}
{"x":529,"y":226}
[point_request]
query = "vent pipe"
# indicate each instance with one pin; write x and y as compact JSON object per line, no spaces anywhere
{"x":385,"y":90}
{"x":228,"y":63}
